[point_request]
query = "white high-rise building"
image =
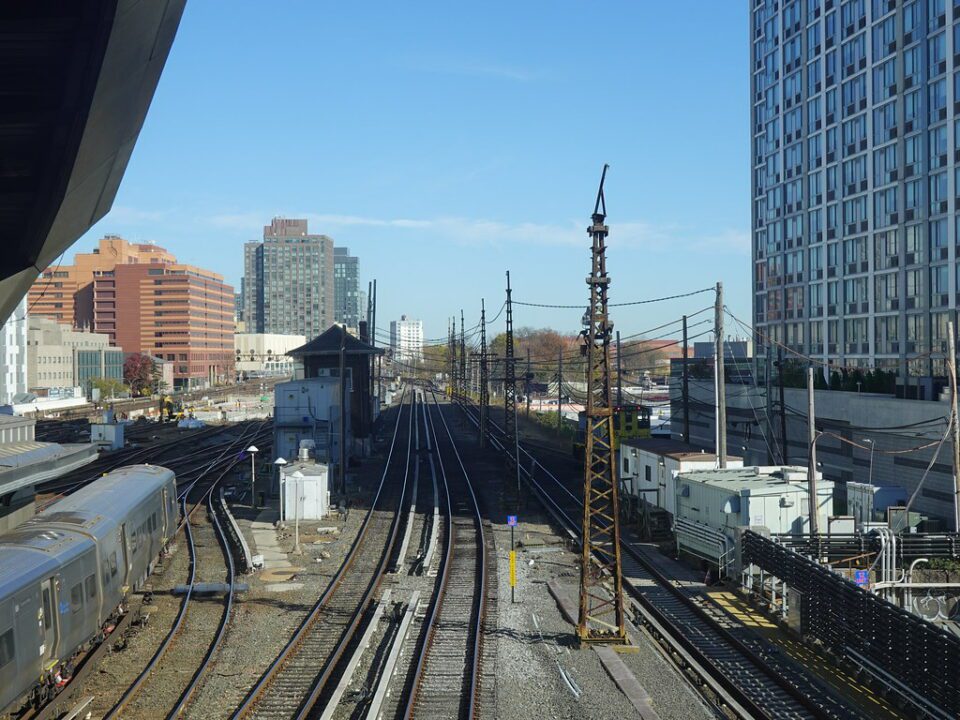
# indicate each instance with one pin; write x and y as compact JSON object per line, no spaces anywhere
{"x":13,"y":351}
{"x":406,"y":339}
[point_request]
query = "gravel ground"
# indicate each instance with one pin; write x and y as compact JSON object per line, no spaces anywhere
{"x":528,"y":677}
{"x":160,"y":693}
{"x":120,"y":668}
{"x":265,"y":619}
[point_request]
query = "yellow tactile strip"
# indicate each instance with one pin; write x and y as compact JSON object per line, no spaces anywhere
{"x":734,"y":606}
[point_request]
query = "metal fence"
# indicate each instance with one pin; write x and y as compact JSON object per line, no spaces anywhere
{"x":913,"y":657}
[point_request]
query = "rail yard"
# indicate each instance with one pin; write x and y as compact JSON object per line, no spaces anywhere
{"x":412,"y":614}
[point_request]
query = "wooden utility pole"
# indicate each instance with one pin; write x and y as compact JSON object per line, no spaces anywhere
{"x":343,"y":411}
{"x":619,"y":374}
{"x":784,"y":452}
{"x":812,"y":459}
{"x":952,"y":369}
{"x":484,"y":380}
{"x":720,"y":380}
{"x":686,"y":385}
{"x":560,"y":394}
{"x":528,"y":384}
{"x":601,"y":617}
{"x":463,"y":358}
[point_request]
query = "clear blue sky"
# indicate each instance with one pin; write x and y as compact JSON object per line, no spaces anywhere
{"x":445,"y":144}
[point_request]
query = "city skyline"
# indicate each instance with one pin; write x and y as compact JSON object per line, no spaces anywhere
{"x":518,"y":187}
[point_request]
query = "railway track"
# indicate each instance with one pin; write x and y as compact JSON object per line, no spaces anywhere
{"x":295,"y":684}
{"x":154,"y":454}
{"x":747,"y":675}
{"x":447,"y":679}
{"x":194,"y":621}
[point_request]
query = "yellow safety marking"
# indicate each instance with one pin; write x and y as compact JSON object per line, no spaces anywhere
{"x":745,"y":614}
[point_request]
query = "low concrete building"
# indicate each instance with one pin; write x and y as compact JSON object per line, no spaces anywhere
{"x":59,"y":356}
{"x":265,"y":354}
{"x":711,"y":506}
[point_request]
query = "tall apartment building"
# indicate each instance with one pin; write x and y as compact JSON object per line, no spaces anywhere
{"x":62,"y":292}
{"x":178,"y":313}
{"x":856,"y":142}
{"x":346,"y":288}
{"x":406,"y":339}
{"x":288,"y":280}
{"x":13,"y":354}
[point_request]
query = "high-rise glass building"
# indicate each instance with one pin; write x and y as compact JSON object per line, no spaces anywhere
{"x":288,"y":281}
{"x":855,"y":181}
{"x":346,"y":288}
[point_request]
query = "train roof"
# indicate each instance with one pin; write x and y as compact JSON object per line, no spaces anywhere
{"x":112,"y":495}
{"x":19,"y":565}
{"x":61,"y":531}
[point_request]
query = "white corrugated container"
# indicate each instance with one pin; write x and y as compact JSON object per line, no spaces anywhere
{"x":648,"y":468}
{"x":721,"y":501}
{"x":309,"y":481}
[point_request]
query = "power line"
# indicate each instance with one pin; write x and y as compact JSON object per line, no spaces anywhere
{"x":624,"y":304}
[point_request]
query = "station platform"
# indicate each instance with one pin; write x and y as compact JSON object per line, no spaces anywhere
{"x":25,"y":462}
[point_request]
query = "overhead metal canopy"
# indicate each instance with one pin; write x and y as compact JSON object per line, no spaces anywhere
{"x":76,"y":80}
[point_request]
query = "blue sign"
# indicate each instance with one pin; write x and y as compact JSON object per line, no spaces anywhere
{"x":512,"y":520}
{"x":861,"y":577}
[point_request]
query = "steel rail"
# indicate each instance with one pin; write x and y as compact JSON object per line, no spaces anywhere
{"x":735,"y":692}
{"x":303,"y":630}
{"x":188,"y":693}
{"x":228,"y":464}
{"x":475,"y":639}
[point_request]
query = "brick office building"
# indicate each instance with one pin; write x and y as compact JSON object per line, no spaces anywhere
{"x":149,"y":303}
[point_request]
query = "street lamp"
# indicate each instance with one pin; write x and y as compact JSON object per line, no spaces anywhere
{"x":280,"y":462}
{"x":297,"y":477}
{"x":872,"y":446}
{"x":253,"y":450}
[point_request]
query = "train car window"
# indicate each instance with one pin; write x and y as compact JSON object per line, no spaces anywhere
{"x":91,"y":583}
{"x":113,"y":564}
{"x":153,"y":522}
{"x":47,"y":609}
{"x":76,"y":597}
{"x":6,"y":647}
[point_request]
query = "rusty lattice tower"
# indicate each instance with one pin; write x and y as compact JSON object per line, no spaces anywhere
{"x":601,"y":616}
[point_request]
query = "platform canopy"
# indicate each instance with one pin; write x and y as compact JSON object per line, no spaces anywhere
{"x":76,"y":82}
{"x":328,"y":343}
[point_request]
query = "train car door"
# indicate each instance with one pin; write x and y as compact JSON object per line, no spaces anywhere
{"x":166,"y":519}
{"x":48,"y":619}
{"x":126,"y":554}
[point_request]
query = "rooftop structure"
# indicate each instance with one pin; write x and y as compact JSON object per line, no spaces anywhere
{"x":85,"y":77}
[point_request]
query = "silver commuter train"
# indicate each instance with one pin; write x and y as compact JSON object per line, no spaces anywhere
{"x":65,"y":572}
